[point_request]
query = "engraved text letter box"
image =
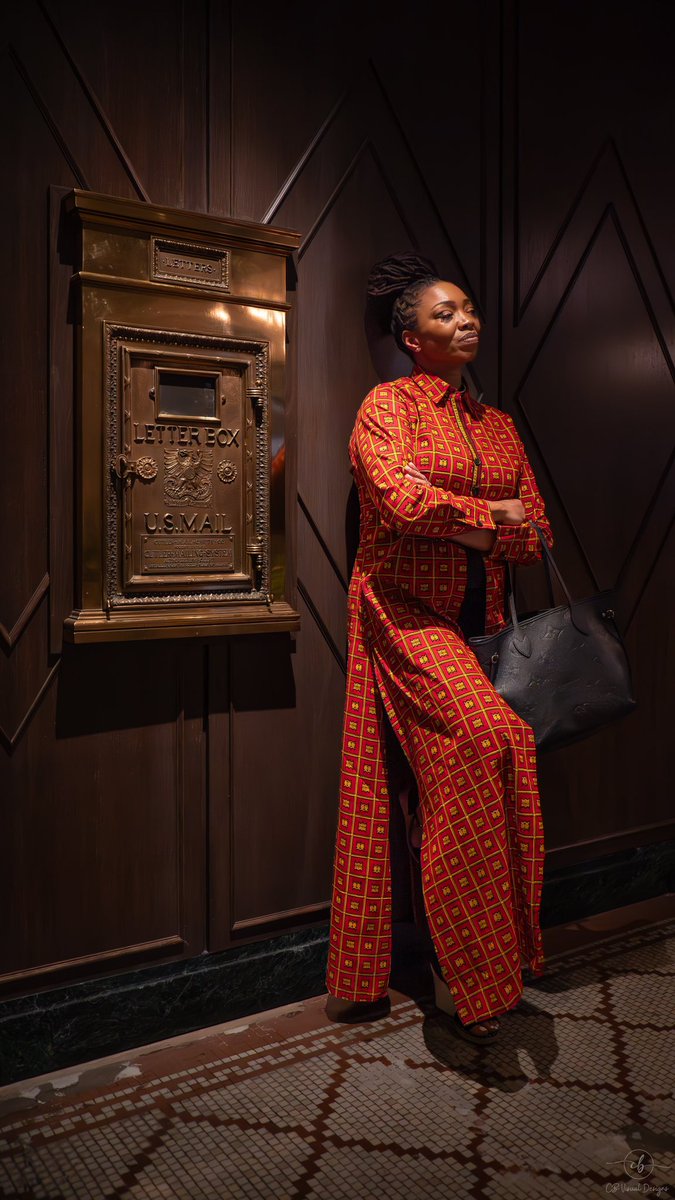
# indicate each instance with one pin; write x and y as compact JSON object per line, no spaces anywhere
{"x":180,"y":424}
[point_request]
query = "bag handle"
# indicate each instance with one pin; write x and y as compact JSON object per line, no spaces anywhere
{"x":520,"y":640}
{"x":549,"y":562}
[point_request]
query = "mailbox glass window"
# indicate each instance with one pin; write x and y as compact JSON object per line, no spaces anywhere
{"x":191,"y":397}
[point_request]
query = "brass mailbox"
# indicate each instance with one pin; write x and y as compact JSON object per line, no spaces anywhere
{"x":180,"y":423}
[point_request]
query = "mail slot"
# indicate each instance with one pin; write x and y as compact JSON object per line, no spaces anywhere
{"x":181,"y":423}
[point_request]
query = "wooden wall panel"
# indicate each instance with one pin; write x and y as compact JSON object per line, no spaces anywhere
{"x":578,"y":71}
{"x":284,"y":699}
{"x":444,"y":120}
{"x":587,"y":367}
{"x":290,"y":66}
{"x":147,"y":108}
{"x":103,"y":845}
{"x":600,"y":384}
{"x":125,"y":770}
{"x":30,"y":155}
{"x":334,"y":367}
{"x":66,"y":104}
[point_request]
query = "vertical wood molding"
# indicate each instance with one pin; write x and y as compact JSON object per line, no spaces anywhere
{"x":195,"y":62}
{"x":191,"y":797}
{"x":61,"y":395}
{"x":219,"y":795}
{"x":220,"y":58}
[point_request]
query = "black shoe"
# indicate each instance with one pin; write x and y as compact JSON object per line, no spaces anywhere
{"x":445,"y":1004}
{"x":470,"y":1032}
{"x":351,"y":1012}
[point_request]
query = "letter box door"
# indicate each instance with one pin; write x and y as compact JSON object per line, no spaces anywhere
{"x":187,"y":442}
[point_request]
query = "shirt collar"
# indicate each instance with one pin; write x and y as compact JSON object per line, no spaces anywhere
{"x":439,"y":392}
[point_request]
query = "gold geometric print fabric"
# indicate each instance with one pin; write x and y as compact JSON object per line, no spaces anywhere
{"x":474,"y":760}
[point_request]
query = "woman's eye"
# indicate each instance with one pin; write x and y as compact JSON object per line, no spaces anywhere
{"x":446,"y":316}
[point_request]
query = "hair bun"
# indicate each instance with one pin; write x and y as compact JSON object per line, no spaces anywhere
{"x":393,"y":275}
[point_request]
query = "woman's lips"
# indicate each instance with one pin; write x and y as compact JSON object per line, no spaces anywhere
{"x":469,"y":337}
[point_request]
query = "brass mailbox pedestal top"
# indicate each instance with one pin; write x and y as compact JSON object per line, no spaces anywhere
{"x":180,"y":423}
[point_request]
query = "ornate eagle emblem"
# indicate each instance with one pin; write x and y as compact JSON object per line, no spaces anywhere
{"x":188,"y":476}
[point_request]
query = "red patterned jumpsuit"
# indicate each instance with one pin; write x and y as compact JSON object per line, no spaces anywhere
{"x":473,"y":758}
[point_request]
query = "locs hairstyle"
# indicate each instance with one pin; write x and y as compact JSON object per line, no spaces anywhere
{"x":396,"y":284}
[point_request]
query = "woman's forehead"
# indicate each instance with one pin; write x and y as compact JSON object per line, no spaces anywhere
{"x":443,"y":290}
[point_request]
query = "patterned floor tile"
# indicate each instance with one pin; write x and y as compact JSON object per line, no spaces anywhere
{"x":356,"y":1174}
{"x":579,"y":1087}
{"x":650,"y":1060}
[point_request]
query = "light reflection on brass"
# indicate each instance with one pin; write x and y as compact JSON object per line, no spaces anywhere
{"x":175,"y":518}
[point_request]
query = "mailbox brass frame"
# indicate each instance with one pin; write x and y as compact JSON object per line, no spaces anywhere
{"x":129,"y":314}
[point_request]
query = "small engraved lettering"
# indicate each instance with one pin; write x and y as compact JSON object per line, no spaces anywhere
{"x":190,"y":264}
{"x":187,"y":555}
{"x":166,"y":262}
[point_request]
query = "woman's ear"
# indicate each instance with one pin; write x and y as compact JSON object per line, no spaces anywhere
{"x":411,"y":340}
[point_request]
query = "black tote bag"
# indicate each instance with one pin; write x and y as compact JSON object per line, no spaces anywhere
{"x":563,"y":670}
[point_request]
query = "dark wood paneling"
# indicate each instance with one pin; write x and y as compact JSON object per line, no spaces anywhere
{"x":588,"y":373}
{"x":600,"y":385}
{"x":61,"y":433}
{"x":136,"y":75}
{"x":103,"y":845}
{"x":285,"y":696}
{"x":290,"y":64}
{"x":31,"y":155}
{"x":549,"y":200}
{"x":563,"y":127}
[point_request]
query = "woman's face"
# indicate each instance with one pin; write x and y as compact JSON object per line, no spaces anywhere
{"x":448,"y":328}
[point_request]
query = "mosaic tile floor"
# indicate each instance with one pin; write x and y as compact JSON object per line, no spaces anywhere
{"x":576,"y":1100}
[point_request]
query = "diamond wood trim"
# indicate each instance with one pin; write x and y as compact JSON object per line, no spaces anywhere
{"x":11,"y":636}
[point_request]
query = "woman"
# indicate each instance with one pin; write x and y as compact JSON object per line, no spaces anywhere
{"x":446,"y":493}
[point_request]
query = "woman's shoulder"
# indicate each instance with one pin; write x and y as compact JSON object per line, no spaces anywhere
{"x":497,"y":415}
{"x":390,"y":394}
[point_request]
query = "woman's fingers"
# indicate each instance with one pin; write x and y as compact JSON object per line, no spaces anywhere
{"x":415,"y":474}
{"x":508,"y":512}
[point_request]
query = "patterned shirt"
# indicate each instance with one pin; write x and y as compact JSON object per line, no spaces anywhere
{"x":471,"y":453}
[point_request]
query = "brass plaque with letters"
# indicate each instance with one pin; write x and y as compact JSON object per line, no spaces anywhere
{"x":163,"y":553}
{"x":190,"y":264}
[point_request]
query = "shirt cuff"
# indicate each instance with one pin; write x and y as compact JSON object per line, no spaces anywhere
{"x":514,"y":542}
{"x":476,"y":513}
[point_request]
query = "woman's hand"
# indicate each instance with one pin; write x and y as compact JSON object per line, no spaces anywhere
{"x":478,"y":539}
{"x":507,"y":512}
{"x":414,"y":474}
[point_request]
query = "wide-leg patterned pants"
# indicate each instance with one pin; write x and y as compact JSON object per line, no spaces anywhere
{"x":474,"y":761}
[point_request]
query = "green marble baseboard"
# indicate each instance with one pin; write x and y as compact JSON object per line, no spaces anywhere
{"x":78,"y":1022}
